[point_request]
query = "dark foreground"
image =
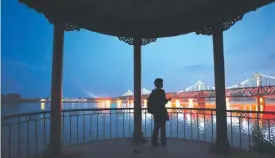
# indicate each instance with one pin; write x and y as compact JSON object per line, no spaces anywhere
{"x":123,"y":148}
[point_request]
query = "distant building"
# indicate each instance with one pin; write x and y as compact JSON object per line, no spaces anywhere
{"x":13,"y":97}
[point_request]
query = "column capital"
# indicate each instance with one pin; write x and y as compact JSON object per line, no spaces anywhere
{"x":131,"y":41}
{"x":223,"y":25}
{"x":67,"y":26}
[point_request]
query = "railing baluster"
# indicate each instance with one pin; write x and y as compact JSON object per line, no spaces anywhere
{"x":19,"y":137}
{"x":151,"y":118}
{"x":84,"y":126}
{"x":110,"y":124}
{"x":70,"y":129}
{"x":212,"y":126}
{"x":123,"y":127}
{"x":104,"y":133}
{"x":145,"y":122}
{"x":204,"y":125}
{"x":129,"y":123}
{"x":91,"y":127}
{"x":258,"y":120}
{"x":44,"y":132}
{"x":63,"y":126}
{"x":36,"y":138}
{"x":198,"y":128}
{"x":97,"y":125}
{"x":269,"y":130}
{"x":240,"y":132}
{"x":9,"y":140}
{"x":184,"y":122}
{"x":77,"y":128}
{"x":248,"y":125}
{"x":170,"y":125}
{"x":231,"y":129}
{"x":116,"y":128}
{"x":28,"y":141}
{"x":177,"y":124}
{"x":191,"y":128}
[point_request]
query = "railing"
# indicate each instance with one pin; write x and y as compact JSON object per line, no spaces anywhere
{"x":27,"y":135}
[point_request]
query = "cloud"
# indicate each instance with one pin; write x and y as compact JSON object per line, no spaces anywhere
{"x":27,"y":65}
{"x":196,"y":72}
{"x":254,"y":62}
{"x":20,"y":64}
{"x":271,"y":56}
{"x":197,"y":68}
{"x":260,"y":43}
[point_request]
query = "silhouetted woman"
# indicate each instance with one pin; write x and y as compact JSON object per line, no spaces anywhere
{"x":160,"y":112}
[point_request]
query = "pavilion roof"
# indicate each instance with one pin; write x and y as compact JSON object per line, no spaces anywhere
{"x":145,"y":18}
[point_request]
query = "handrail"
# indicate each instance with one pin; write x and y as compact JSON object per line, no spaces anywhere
{"x":101,"y":109}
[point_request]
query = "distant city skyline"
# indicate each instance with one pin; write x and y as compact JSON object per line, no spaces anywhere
{"x":101,"y":65}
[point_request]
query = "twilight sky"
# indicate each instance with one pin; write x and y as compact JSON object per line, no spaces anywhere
{"x":101,"y":65}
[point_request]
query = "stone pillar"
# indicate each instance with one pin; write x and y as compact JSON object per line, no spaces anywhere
{"x":137,"y":135}
{"x":221,"y":144}
{"x":54,"y":148}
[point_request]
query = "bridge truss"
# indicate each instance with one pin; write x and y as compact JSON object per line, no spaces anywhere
{"x":255,"y":86}
{"x":233,"y":92}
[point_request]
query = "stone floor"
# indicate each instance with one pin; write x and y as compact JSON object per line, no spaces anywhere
{"x":123,"y":148}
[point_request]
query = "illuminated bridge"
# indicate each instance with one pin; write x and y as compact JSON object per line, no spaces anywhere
{"x":257,"y":85}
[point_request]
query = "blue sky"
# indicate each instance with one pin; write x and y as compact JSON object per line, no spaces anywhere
{"x":101,"y":65}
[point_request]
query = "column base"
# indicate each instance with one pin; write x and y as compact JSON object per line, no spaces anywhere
{"x":221,"y":147}
{"x":138,"y":138}
{"x":53,"y":152}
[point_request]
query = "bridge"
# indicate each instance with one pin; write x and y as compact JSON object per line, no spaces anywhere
{"x":258,"y":85}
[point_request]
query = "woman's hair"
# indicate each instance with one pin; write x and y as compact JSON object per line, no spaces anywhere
{"x":158,"y":82}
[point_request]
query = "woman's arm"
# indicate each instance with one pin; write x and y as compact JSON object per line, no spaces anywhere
{"x":165,"y":99}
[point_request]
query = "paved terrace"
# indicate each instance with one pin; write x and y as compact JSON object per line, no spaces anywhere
{"x":123,"y":148}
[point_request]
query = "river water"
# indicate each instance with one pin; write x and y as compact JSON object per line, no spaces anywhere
{"x":31,"y":135}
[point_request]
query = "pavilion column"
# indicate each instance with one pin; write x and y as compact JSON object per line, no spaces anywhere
{"x":221,"y":144}
{"x":54,"y":149}
{"x":137,"y":135}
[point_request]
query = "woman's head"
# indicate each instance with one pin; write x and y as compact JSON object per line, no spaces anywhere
{"x":158,"y":83}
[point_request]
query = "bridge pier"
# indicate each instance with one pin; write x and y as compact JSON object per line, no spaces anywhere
{"x":190,"y":102}
{"x":144,"y":103}
{"x":260,"y":103}
{"x":201,"y":102}
{"x":221,"y":144}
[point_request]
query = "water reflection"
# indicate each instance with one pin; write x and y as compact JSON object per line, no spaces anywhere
{"x":201,"y":123}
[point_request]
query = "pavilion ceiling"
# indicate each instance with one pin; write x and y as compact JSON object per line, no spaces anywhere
{"x":145,"y":18}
